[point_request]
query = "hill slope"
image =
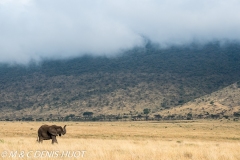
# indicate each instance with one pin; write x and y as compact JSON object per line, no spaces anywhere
{"x":223,"y":103}
{"x":141,"y":78}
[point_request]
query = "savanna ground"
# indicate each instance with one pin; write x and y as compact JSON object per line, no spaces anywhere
{"x":205,"y":140}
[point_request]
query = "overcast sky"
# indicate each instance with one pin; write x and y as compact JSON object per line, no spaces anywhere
{"x":36,"y":29}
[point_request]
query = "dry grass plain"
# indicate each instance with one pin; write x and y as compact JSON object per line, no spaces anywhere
{"x":179,"y":140}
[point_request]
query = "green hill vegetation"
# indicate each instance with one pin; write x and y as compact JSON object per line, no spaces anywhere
{"x":118,"y":86}
{"x":221,"y":104}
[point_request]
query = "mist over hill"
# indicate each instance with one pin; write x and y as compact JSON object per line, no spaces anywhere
{"x":60,"y":29}
{"x":143,"y":77}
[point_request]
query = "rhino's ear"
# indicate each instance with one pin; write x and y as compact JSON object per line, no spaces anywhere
{"x":52,"y":131}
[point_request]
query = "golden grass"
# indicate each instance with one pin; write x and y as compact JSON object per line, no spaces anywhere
{"x":210,"y":140}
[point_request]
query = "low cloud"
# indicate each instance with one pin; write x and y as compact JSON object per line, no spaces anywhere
{"x":35,"y":30}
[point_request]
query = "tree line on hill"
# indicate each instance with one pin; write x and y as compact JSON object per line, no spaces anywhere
{"x":151,"y":76}
{"x":89,"y":116}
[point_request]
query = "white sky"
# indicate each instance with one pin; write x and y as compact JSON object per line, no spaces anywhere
{"x":36,"y":29}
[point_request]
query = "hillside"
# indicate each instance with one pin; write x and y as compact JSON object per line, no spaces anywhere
{"x":223,"y":103}
{"x":148,"y":77}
